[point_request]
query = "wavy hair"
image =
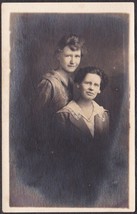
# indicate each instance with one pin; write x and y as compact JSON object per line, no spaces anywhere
{"x":82,"y":72}
{"x":73,"y":41}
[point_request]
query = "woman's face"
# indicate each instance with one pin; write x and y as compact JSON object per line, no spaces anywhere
{"x":90,"y":86}
{"x":69,"y":60}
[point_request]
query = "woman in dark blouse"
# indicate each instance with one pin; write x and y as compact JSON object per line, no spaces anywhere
{"x":56,"y":87}
{"x":55,"y":90}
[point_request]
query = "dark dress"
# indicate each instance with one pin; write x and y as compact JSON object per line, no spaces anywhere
{"x":78,"y":157}
{"x":54,"y":92}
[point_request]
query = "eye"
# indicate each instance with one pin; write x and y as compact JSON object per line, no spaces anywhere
{"x":97,"y":85}
{"x":87,"y":83}
{"x":77,"y":56}
{"x":67,"y":55}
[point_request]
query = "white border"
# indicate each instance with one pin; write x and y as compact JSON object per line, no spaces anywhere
{"x":7,"y":8}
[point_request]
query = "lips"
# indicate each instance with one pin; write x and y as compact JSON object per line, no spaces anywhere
{"x":90,"y":93}
{"x":70,"y":66}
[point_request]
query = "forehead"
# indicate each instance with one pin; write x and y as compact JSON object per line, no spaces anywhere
{"x":67,"y":50}
{"x":92,"y":78}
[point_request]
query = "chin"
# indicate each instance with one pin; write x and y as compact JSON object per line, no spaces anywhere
{"x":71,"y":71}
{"x":88,"y":99}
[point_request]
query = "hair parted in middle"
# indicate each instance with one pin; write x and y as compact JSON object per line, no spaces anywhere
{"x":82,"y":72}
{"x":73,"y":41}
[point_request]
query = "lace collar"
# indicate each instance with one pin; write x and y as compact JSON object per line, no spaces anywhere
{"x":76,"y":111}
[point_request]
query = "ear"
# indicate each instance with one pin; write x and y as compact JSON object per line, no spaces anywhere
{"x":77,"y":85}
{"x":99,"y":91}
{"x":58,"y":56}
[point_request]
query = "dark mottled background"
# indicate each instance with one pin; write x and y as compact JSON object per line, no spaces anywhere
{"x":33,"y":40}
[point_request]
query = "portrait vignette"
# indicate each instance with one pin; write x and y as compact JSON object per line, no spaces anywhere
{"x":28,"y":43}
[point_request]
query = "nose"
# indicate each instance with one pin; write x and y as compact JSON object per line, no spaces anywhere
{"x":91,"y":87}
{"x":72,"y":60}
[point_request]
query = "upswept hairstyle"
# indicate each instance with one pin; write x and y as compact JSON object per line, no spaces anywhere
{"x":73,"y":41}
{"x":82,"y":72}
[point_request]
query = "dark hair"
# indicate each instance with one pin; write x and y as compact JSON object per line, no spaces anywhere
{"x":82,"y":72}
{"x":73,"y":41}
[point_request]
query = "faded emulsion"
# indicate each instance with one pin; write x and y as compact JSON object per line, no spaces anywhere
{"x":33,"y":38}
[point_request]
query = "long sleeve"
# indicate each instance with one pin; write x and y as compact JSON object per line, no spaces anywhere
{"x":42,"y":113}
{"x":45,"y":91}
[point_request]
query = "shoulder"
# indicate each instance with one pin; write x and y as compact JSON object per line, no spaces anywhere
{"x":71,"y":109}
{"x":101,"y":114}
{"x":53,"y":80}
{"x":48,"y":81}
{"x":61,"y":118}
{"x":99,"y":110}
{"x":63,"y":113}
{"x":45,"y":87}
{"x":51,"y":76}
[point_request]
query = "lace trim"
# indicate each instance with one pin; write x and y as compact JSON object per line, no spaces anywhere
{"x":98,"y":110}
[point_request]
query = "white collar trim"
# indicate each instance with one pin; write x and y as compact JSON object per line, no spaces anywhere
{"x":74,"y":108}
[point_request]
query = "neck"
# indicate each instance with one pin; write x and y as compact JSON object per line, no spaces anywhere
{"x":84,"y":103}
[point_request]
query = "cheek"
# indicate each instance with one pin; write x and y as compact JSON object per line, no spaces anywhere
{"x":62,"y":61}
{"x":83,"y":89}
{"x":78,"y":60}
{"x":98,"y":90}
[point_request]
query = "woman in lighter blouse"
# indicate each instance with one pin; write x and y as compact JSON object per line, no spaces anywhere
{"x":81,"y":139}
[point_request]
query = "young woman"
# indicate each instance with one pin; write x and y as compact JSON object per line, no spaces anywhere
{"x":56,"y":88}
{"x":80,"y":139}
{"x":54,"y":91}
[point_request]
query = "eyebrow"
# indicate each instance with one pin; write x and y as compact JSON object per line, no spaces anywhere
{"x":91,"y":82}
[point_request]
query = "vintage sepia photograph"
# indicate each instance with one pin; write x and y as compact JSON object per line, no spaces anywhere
{"x":68,"y":121}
